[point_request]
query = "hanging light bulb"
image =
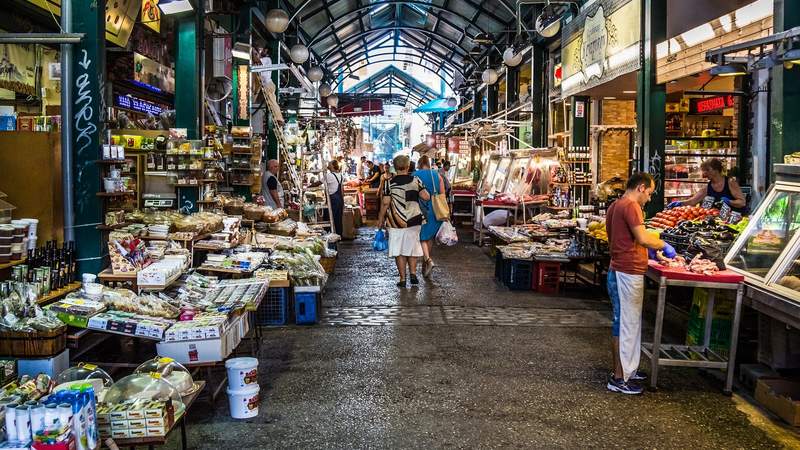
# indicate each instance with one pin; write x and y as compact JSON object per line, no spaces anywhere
{"x":315,"y":74}
{"x":511,"y":58}
{"x":298,"y":53}
{"x":324,"y":90}
{"x":277,"y":20}
{"x":489,"y":76}
{"x":333,"y":100}
{"x":452,"y":102}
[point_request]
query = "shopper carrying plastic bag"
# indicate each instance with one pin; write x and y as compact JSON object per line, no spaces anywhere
{"x":380,"y":243}
{"x":447,"y":234}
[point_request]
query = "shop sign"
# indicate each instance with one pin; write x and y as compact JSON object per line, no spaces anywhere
{"x":594,"y":45}
{"x":150,"y":74}
{"x":243,"y":97}
{"x":120,"y":17}
{"x":151,"y":15}
{"x":557,"y":75}
{"x":137,"y":104}
{"x":18,"y":68}
{"x":710,"y":104}
{"x":601,"y":44}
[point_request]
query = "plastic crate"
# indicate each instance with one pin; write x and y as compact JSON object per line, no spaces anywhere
{"x":273,"y":308}
{"x":548,"y":277}
{"x":305,"y":306}
{"x":518,"y":274}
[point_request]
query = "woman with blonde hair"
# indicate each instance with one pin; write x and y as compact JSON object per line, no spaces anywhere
{"x":401,"y":210}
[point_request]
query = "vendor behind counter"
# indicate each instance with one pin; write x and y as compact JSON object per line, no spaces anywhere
{"x":720,"y":187}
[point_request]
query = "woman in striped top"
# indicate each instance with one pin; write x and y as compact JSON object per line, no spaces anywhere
{"x":400,"y":208}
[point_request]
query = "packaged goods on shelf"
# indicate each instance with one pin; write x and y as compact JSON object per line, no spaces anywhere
{"x":161,"y":273}
{"x":130,"y":324}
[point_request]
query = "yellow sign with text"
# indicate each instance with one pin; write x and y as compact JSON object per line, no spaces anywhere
{"x":120,"y":17}
{"x":151,"y":15}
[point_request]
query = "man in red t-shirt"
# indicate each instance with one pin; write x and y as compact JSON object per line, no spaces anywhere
{"x":628,"y":242}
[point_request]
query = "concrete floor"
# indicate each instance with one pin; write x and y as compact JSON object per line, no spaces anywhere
{"x":474,"y":383}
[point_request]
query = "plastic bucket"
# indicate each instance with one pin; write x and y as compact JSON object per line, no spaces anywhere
{"x":244,"y":403}
{"x":242,"y":373}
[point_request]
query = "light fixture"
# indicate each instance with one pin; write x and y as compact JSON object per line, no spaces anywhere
{"x":728,"y":70}
{"x":315,"y":74}
{"x":277,"y":20}
{"x":241,"y":50}
{"x":609,"y":98}
{"x":790,"y":58}
{"x":452,"y":102}
{"x":511,"y":58}
{"x":333,"y":100}
{"x":548,"y":24}
{"x":298,"y":53}
{"x":175,"y":6}
{"x":628,"y":92}
{"x":324,"y":90}
{"x":489,"y":76}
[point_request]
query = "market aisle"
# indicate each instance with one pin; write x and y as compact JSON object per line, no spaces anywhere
{"x":461,"y":363}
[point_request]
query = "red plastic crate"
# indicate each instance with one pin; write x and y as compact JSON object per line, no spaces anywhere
{"x":548,"y":277}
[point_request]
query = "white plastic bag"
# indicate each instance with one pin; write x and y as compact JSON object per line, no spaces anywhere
{"x":447,"y":234}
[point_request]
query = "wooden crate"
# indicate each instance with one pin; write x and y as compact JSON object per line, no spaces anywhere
{"x":40,"y":344}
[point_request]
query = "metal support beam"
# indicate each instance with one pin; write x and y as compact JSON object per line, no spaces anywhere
{"x":187,"y":77}
{"x":41,"y":38}
{"x":539,"y":90}
{"x":651,"y":101}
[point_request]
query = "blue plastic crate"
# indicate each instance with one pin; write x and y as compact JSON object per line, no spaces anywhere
{"x":305,"y":307}
{"x":498,"y":266}
{"x":518,"y":274}
{"x":273,"y":308}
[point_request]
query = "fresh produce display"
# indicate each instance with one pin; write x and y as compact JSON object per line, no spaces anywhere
{"x":304,"y":267}
{"x":672,"y":217}
{"x":19,"y":312}
{"x":146,"y":305}
{"x":598,"y":231}
{"x":709,"y":228}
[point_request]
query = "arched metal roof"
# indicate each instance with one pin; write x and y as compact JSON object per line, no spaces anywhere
{"x":436,"y":34}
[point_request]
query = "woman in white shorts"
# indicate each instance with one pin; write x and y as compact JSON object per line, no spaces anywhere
{"x":400,"y":209}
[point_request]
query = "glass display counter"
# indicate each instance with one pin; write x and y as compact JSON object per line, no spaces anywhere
{"x":767,"y":252}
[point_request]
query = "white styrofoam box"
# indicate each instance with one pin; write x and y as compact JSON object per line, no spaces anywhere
{"x":51,"y":366}
{"x":203,"y":350}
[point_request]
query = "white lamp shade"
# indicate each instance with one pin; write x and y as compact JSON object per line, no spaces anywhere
{"x":452,"y":102}
{"x":277,"y":20}
{"x":511,"y":58}
{"x":298,"y":53}
{"x":333,"y":100}
{"x":546,"y":29}
{"x":489,"y":76}
{"x":324,"y":90}
{"x":315,"y":74}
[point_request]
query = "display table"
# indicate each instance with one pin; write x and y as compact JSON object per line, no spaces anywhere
{"x":693,"y":356}
{"x":484,"y":204}
{"x":151,"y":442}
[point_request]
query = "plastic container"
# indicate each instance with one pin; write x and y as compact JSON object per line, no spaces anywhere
{"x":5,"y":249}
{"x":273,"y":308}
{"x":6,"y":231}
{"x":5,"y":257}
{"x":17,"y":239}
{"x":20,"y":227}
{"x":244,"y":403}
{"x":33,"y":226}
{"x":16,"y":256}
{"x":242,"y":373}
{"x":32,"y":243}
{"x":83,"y":372}
{"x":170,"y":371}
{"x":305,"y":307}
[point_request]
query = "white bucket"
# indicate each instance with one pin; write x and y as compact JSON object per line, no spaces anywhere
{"x":244,"y":403}
{"x":242,"y":373}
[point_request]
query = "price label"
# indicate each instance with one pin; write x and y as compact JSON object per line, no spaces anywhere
{"x":708,"y":202}
{"x":725,"y":212}
{"x":97,"y":323}
{"x":735,"y":217}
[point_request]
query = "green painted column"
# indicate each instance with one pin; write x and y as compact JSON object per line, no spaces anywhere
{"x":651,"y":101}
{"x":538,"y":96}
{"x":87,"y":119}
{"x":187,"y":76}
{"x":580,"y":121}
{"x":785,"y":93}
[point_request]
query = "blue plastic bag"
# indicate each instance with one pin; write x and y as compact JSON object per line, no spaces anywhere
{"x":381,"y":242}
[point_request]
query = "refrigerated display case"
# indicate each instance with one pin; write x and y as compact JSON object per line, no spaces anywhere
{"x":767,"y":252}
